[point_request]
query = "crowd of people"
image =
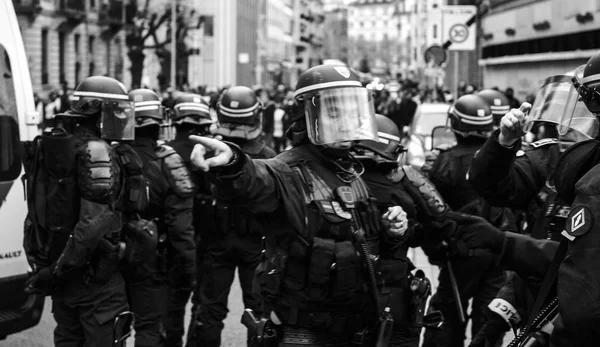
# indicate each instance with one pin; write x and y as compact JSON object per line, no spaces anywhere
{"x":139,"y":202}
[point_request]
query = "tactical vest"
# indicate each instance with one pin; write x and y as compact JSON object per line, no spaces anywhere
{"x":321,"y":270}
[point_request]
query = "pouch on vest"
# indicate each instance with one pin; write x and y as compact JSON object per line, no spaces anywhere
{"x":337,"y":221}
{"x":346,"y":271}
{"x":297,"y":267}
{"x":274,"y":275}
{"x":319,"y":271}
{"x":136,"y":195}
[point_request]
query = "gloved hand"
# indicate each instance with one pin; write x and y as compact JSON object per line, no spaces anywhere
{"x":512,"y":125}
{"x":491,"y":332}
{"x":395,"y":221}
{"x":42,"y":281}
{"x":476,"y":232}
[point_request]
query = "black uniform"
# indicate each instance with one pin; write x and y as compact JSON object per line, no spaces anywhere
{"x":170,"y":207}
{"x":425,"y":211}
{"x":74,"y":234}
{"x":477,"y":277}
{"x":520,"y":178}
{"x":202,"y":217}
{"x":312,"y":275}
{"x":232,"y":241}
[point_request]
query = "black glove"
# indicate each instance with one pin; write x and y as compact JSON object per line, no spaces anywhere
{"x":476,"y":232}
{"x":492,"y":332}
{"x":42,"y":281}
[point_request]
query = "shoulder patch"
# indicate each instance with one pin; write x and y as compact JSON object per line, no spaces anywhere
{"x":544,"y":142}
{"x":520,"y":153}
{"x":580,"y":221}
{"x":177,"y":173}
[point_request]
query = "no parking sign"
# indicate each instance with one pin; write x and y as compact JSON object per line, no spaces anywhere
{"x":455,"y":28}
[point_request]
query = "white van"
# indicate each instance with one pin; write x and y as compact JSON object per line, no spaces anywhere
{"x":18,"y":122}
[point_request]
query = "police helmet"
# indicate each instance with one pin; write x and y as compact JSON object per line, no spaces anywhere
{"x":108,"y":98}
{"x":387,"y":147}
{"x":587,"y":83}
{"x":239,"y":113}
{"x":471,"y":116}
{"x":337,"y":108}
{"x":498,"y":102}
{"x":191,"y":109}
{"x":148,"y":109}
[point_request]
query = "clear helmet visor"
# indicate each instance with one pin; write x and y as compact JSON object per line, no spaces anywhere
{"x":577,"y":119}
{"x":556,"y":97}
{"x":340,"y":115}
{"x":117,"y":120}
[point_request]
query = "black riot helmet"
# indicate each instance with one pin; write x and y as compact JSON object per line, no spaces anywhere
{"x":239,"y":113}
{"x":498,"y":102}
{"x":191,"y":109}
{"x":148,"y":109}
{"x":471,"y":116}
{"x":387,"y":147}
{"x":586,"y":80}
{"x":336,"y":107}
{"x":106,"y":98}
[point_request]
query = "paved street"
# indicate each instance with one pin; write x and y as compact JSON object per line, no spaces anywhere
{"x":233,"y":336}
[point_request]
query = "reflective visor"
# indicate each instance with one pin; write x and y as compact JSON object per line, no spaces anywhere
{"x":556,"y":97}
{"x":579,"y":116}
{"x":340,"y":115}
{"x":118,"y":120}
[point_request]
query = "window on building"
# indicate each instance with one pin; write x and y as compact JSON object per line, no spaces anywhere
{"x":10,"y":158}
{"x":44,"y":56}
{"x":61,"y":57}
{"x":209,"y":26}
{"x":92,"y":3}
{"x":92,"y":66}
{"x":108,"y":54}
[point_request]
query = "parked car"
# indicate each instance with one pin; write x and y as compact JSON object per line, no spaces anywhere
{"x":418,"y":142}
{"x":18,"y":122}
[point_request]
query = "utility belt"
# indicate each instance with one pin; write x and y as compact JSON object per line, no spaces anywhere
{"x":328,"y":321}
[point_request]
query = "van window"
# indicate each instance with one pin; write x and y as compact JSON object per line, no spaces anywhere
{"x":10,"y":159}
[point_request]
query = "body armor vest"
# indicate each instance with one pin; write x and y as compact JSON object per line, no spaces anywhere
{"x":322,"y":270}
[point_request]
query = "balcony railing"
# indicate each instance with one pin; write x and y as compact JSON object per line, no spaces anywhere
{"x":29,"y":7}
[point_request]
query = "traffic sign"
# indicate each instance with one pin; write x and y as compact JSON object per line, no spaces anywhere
{"x":456,"y":28}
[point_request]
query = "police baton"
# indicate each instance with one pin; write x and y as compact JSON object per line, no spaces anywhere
{"x":455,"y":292}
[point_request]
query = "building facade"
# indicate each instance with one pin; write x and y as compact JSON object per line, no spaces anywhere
{"x":525,"y":41}
{"x":68,"y":40}
{"x":374,"y":34}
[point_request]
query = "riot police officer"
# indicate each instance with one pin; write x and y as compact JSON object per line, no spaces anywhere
{"x":234,"y":239}
{"x":575,"y":177}
{"x":73,"y":234}
{"x":172,"y":242}
{"x":471,"y":121}
{"x":319,"y":223}
{"x":403,"y":186}
{"x":509,"y":174}
{"x":190,"y":116}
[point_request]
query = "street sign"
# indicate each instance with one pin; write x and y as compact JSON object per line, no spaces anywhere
{"x":456,"y":29}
